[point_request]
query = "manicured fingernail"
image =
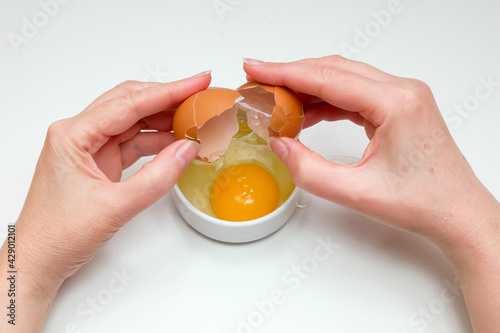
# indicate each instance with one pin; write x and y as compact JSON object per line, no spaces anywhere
{"x":186,"y":152}
{"x":279,"y":148}
{"x":203,"y":73}
{"x":253,"y":62}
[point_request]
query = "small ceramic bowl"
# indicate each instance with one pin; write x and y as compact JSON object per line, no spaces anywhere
{"x":235,"y":232}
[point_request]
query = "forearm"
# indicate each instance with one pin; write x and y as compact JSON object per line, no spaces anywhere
{"x":476,"y":262}
{"x":25,"y":302}
{"x":479,"y":277}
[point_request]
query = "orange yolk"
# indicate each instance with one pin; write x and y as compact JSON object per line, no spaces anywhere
{"x":244,"y":192}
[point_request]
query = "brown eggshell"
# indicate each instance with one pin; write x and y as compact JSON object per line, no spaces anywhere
{"x":208,"y":117}
{"x":291,"y":113}
{"x":272,"y":111}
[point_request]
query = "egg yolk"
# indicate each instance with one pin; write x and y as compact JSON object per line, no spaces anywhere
{"x":244,"y":192}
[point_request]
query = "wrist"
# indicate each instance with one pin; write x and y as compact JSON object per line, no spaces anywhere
{"x":472,"y":233}
{"x":479,"y":249}
{"x":39,"y":283}
{"x":26,"y":298}
{"x":461,"y":216}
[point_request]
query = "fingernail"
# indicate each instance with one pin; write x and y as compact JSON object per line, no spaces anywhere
{"x":186,"y":152}
{"x":253,"y":62}
{"x":279,"y":148}
{"x":203,"y":73}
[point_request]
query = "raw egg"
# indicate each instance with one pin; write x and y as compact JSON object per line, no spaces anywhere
{"x":244,"y":192}
{"x":237,"y":177}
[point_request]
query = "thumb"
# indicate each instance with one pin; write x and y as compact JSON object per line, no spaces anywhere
{"x":314,"y":174}
{"x":158,"y":176}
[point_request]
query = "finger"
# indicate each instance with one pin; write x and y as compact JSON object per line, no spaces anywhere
{"x":324,"y":111}
{"x":156,"y":177}
{"x":369,"y":129}
{"x":307,"y":99}
{"x":308,"y":170}
{"x":354,"y":66}
{"x":123,"y":88}
{"x":341,"y":63}
{"x":338,"y":62}
{"x":131,"y":132}
{"x":109,"y":157}
{"x":115,"y":116}
{"x":144,"y":144}
{"x":121,"y":151}
{"x":344,"y":89}
{"x":108,"y":160}
{"x":161,"y":121}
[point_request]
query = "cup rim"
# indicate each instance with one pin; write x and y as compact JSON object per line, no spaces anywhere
{"x":233,"y":224}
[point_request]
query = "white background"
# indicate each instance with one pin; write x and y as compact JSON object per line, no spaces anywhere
{"x":376,"y":280}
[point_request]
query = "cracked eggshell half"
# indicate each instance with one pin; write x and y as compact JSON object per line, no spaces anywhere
{"x":272,"y":111}
{"x":208,"y":117}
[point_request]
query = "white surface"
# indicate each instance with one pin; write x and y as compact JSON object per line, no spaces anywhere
{"x":374,"y":280}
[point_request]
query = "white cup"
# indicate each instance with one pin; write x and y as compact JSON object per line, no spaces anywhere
{"x":235,"y":232}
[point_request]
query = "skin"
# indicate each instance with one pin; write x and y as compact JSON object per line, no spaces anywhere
{"x":77,"y":202}
{"x":412,"y":176}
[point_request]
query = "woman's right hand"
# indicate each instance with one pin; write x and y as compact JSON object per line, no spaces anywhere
{"x":412,"y":175}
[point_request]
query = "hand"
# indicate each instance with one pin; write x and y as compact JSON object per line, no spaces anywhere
{"x":412,"y":175}
{"x":76,"y":201}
